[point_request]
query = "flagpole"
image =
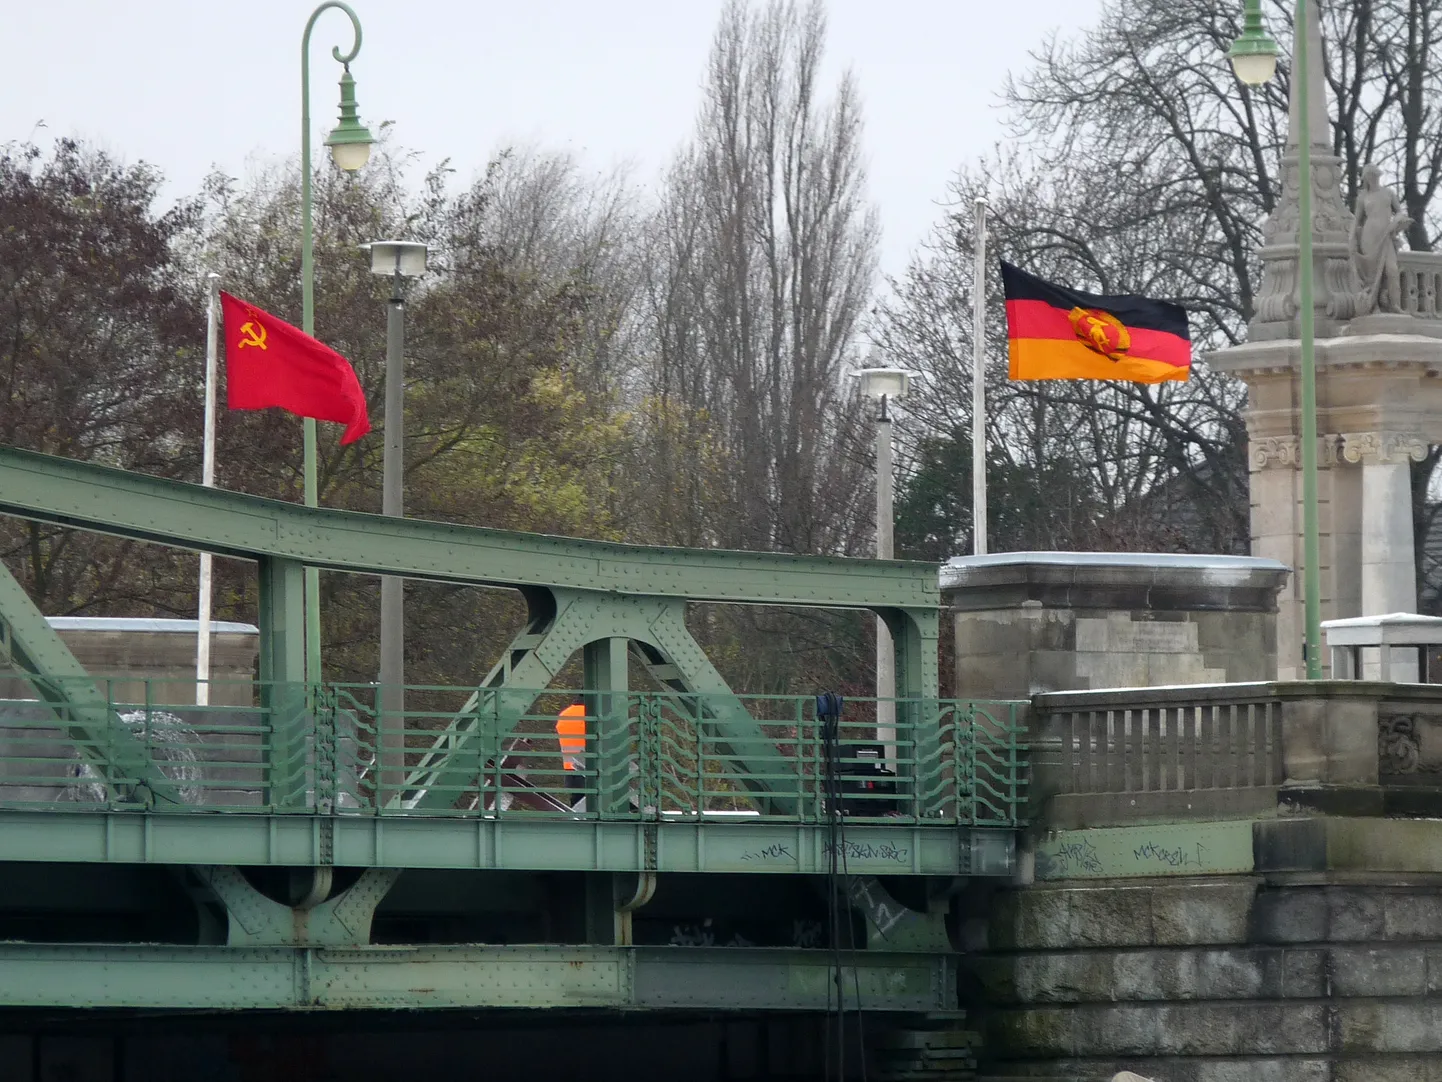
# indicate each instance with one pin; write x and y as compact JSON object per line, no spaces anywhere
{"x":978,"y":384}
{"x":207,"y":478}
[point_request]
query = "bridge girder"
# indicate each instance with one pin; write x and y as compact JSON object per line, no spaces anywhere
{"x":583,"y":595}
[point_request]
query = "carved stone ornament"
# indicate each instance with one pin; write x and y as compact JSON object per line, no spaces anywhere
{"x":1285,"y":452}
{"x":1275,"y":451}
{"x":1385,"y":448}
{"x":1399,"y":749}
{"x":1377,"y":220}
{"x":1336,"y":287}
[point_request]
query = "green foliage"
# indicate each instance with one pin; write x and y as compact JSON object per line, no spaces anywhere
{"x":98,"y":354}
{"x":1046,"y":506}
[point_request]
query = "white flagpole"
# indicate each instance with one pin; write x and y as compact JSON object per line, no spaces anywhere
{"x":978,"y":384}
{"x":207,"y":478}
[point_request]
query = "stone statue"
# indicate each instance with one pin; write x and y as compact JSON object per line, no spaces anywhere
{"x":1377,"y":219}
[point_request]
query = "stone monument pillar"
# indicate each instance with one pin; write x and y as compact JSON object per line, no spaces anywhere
{"x":1378,"y":356}
{"x":1389,"y":566}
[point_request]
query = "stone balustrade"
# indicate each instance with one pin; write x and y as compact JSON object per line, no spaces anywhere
{"x":1120,"y":756}
{"x":1421,"y":283}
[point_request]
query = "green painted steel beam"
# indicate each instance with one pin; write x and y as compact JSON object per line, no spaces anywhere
{"x":148,"y":977}
{"x":101,"y":741}
{"x":412,"y":841}
{"x":580,"y":619}
{"x":255,"y":920}
{"x":136,"y":506}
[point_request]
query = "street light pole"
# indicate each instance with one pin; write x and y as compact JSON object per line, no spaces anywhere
{"x":885,"y":550}
{"x":393,"y":587}
{"x":350,"y":147}
{"x":1254,"y":57}
{"x":397,"y":260}
{"x":1311,"y":540}
{"x":885,"y":385}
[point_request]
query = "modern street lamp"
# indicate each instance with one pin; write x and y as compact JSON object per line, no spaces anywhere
{"x":1254,"y":59}
{"x":350,"y":148}
{"x":884,"y":385}
{"x":397,"y":260}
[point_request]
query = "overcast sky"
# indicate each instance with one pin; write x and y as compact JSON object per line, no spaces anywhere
{"x":188,"y":84}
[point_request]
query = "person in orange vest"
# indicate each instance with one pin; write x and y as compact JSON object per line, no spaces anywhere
{"x":571,"y":731}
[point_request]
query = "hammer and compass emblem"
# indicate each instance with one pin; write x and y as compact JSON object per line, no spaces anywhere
{"x":1100,"y":332}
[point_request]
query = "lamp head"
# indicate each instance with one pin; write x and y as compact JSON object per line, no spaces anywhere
{"x":404,"y":257}
{"x":350,"y":143}
{"x":1253,"y":54}
{"x":885,"y":382}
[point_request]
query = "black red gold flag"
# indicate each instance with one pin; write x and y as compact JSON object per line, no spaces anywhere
{"x":1059,"y":333}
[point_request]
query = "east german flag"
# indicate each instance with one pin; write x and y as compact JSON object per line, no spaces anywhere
{"x":1059,"y":333}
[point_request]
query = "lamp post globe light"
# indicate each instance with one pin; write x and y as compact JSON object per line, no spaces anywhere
{"x":350,"y":147}
{"x":1254,"y":59}
{"x":884,"y":385}
{"x":397,"y":260}
{"x":1253,"y":54}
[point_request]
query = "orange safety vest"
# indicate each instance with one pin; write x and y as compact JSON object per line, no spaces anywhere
{"x":571,"y":728}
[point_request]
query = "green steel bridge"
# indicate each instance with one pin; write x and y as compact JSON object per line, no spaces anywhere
{"x":302,"y":849}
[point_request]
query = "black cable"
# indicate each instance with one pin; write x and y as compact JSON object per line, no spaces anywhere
{"x":826,"y":711}
{"x":840,"y":845}
{"x":838,"y":875}
{"x":851,"y":940}
{"x":828,"y":731}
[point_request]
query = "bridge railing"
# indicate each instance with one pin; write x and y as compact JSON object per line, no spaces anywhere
{"x":1121,"y":755}
{"x":646,"y":756}
{"x":1143,"y":740}
{"x":1115,"y":756}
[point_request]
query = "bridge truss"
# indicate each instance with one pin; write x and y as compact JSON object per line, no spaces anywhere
{"x":325,"y":802}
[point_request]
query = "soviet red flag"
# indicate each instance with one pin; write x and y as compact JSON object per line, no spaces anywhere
{"x":270,"y":363}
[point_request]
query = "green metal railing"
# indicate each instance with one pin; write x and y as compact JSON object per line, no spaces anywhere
{"x":658,"y":756}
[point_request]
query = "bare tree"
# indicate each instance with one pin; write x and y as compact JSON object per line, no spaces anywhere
{"x":1139,"y":164}
{"x":544,"y":218}
{"x":762,"y":260}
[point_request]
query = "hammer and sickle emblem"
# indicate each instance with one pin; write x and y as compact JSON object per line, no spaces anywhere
{"x":252,"y":334}
{"x":1100,"y":332}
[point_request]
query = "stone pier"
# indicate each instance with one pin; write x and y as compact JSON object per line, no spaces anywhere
{"x":124,"y":653}
{"x":1223,"y":884}
{"x":1318,"y":960}
{"x":1378,"y":356}
{"x":1379,"y":408}
{"x":1029,"y":622}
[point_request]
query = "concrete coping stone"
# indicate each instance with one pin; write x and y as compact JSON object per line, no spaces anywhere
{"x":1111,"y":567}
{"x":1113,"y":581}
{"x":1197,"y":694}
{"x":1392,"y":629}
{"x":126,"y":623}
{"x":1187,"y":560}
{"x":1420,"y":349}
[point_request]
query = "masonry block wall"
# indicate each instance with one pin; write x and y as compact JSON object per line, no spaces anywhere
{"x":1222,"y":979}
{"x":1031,"y":622}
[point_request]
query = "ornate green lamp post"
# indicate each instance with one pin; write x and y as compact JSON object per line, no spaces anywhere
{"x":350,"y":148}
{"x":1254,"y":59}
